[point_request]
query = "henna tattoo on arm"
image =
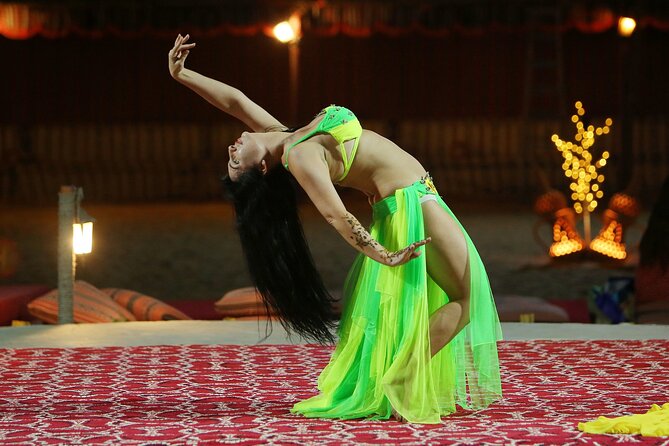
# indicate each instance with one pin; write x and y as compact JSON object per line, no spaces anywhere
{"x":358,"y":237}
{"x":363,"y":239}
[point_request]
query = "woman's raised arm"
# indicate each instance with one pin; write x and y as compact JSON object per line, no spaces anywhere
{"x":220,"y":95}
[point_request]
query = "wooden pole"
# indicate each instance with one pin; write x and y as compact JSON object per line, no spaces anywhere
{"x":66,"y":257}
{"x":293,"y":74}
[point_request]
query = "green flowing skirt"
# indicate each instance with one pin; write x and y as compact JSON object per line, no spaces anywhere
{"x":382,"y":361}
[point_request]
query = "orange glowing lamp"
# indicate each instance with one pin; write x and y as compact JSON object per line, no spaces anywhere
{"x":82,"y":228}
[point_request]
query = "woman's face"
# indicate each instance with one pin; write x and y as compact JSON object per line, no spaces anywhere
{"x":245,"y":154}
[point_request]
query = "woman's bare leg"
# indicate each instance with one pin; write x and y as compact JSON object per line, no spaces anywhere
{"x":447,"y":260}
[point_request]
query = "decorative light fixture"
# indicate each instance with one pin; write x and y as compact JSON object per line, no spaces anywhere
{"x":622,"y":211}
{"x":288,"y":31}
{"x":552,"y":206}
{"x":578,"y":165}
{"x":82,"y":228}
{"x":75,"y":236}
{"x":626,"y":26}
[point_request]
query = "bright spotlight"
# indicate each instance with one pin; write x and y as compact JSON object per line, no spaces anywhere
{"x":626,"y":26}
{"x":284,"y":32}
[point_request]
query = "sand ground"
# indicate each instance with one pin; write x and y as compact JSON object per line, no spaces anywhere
{"x":191,"y":251}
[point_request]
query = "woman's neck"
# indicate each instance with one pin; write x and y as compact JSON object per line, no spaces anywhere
{"x":274,"y":144}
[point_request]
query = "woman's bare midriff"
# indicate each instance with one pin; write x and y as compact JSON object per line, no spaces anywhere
{"x":380,"y":167}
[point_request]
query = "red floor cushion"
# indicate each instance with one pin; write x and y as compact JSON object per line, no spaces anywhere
{"x":143,"y":307}
{"x":14,"y":300}
{"x":89,"y":303}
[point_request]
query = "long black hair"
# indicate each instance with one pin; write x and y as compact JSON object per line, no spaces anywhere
{"x":654,"y":245}
{"x":277,"y":254}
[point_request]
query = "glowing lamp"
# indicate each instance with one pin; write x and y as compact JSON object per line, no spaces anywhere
{"x":82,"y":227}
{"x":565,"y":237}
{"x":626,"y":26}
{"x":622,"y":211}
{"x":75,"y":236}
{"x":552,"y":206}
{"x":82,"y":240}
{"x":283,"y":32}
{"x":580,"y":167}
{"x":288,"y":31}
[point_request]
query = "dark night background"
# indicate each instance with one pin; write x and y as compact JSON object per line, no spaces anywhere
{"x":87,"y":99}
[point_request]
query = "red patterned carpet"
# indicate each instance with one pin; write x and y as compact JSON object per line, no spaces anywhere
{"x":242,"y":394}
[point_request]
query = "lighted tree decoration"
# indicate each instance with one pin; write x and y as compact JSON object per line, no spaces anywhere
{"x":578,"y":166}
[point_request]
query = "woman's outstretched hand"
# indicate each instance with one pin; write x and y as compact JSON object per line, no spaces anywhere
{"x":404,"y":255}
{"x":177,"y":56}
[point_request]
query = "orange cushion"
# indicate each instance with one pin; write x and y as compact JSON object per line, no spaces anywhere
{"x":89,"y":304}
{"x":242,"y":302}
{"x":246,"y":303}
{"x":143,"y":307}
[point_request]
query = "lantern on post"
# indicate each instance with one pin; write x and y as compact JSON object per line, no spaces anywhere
{"x":82,"y":228}
{"x":75,"y":236}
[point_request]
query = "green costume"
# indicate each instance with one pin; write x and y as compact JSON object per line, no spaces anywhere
{"x":343,"y":126}
{"x":382,"y":361}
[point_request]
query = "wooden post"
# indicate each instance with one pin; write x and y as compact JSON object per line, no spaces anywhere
{"x":66,"y":257}
{"x":293,"y":81}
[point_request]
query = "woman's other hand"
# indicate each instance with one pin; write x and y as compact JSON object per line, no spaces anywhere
{"x":177,"y":56}
{"x":404,"y":255}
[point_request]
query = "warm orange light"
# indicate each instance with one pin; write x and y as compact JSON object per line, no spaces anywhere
{"x":82,"y":237}
{"x":283,"y":32}
{"x":578,"y":164}
{"x":288,"y":31}
{"x":21,"y":21}
{"x":626,"y":26}
{"x":565,"y":238}
{"x":609,"y":242}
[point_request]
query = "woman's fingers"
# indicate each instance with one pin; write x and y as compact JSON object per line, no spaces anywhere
{"x":180,"y":40}
{"x":411,"y":251}
{"x":423,"y":242}
{"x":174,"y":50}
{"x":182,"y":50}
{"x":186,"y":47}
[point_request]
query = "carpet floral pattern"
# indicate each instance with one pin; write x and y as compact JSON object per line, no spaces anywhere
{"x":226,"y":394}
